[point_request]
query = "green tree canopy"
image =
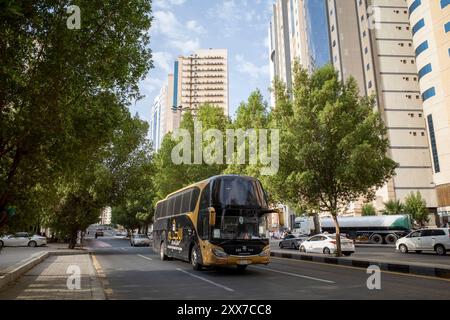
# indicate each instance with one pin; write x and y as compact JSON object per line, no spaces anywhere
{"x":333,"y":148}
{"x":416,"y":206}
{"x":393,"y":207}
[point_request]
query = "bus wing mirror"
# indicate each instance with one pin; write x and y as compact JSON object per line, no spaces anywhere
{"x":212,"y":216}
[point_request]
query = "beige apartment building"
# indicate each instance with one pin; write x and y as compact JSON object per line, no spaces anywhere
{"x":202,"y":78}
{"x":430,"y":26}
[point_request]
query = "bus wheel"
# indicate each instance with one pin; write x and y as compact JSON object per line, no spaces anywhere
{"x":241,"y":267}
{"x":195,"y":258}
{"x":162,"y":252}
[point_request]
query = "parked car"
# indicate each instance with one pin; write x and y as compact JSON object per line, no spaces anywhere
{"x":437,"y":239}
{"x":326,"y":243}
{"x":140,"y":240}
{"x":22,"y":239}
{"x":292,"y":241}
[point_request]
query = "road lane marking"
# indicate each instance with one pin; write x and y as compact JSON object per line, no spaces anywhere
{"x":140,"y":255}
{"x":294,"y":274}
{"x":102,"y":277}
{"x":360,"y":268}
{"x":206,"y":280}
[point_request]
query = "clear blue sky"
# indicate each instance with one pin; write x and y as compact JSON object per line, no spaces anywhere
{"x":181,"y":26}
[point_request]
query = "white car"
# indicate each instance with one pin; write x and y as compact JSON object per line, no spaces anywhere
{"x":326,"y":243}
{"x":139,"y":240}
{"x":22,"y":239}
{"x":120,"y":235}
{"x":425,"y":240}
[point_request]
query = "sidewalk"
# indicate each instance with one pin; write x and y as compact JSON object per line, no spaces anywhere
{"x":12,"y":257}
{"x":48,"y":281}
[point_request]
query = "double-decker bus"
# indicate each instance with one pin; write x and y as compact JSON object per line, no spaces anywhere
{"x":215,"y":222}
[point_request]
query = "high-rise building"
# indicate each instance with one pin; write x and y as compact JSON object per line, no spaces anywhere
{"x":163,"y":117}
{"x":371,"y":40}
{"x":390,"y":72}
{"x":201,"y":78}
{"x":430,"y":26}
{"x":279,"y":44}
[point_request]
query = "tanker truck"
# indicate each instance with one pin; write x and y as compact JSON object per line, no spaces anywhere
{"x":372,"y":229}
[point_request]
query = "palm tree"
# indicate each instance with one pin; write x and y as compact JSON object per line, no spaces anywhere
{"x":393,"y":207}
{"x":369,"y":210}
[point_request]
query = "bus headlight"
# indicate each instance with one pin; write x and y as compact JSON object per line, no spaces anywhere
{"x":265,"y":253}
{"x":219,"y":253}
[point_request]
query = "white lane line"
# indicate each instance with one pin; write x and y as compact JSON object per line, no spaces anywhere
{"x":295,"y":275}
{"x":123,"y":249}
{"x":206,"y":280}
{"x":140,"y":255}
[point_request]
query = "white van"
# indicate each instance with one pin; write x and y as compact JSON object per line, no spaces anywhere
{"x":437,"y":239}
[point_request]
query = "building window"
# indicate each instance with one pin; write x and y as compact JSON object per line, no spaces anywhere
{"x":434,"y":152}
{"x":415,"y":5}
{"x":366,"y":50}
{"x":444,"y":3}
{"x":368,"y":67}
{"x":370,"y":84}
{"x":429,"y":94}
{"x":419,"y":25}
{"x":421,"y":48}
{"x":425,"y":70}
{"x":447,"y":27}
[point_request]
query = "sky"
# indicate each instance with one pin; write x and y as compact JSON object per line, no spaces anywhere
{"x":181,"y":26}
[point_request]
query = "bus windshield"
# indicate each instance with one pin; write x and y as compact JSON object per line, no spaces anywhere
{"x":242,"y":227}
{"x":238,"y":191}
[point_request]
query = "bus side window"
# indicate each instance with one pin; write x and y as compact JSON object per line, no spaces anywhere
{"x":203,"y":215}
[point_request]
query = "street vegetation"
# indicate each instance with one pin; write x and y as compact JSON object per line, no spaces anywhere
{"x":69,"y":146}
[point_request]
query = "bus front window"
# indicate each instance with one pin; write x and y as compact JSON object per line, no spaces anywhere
{"x":239,"y":228}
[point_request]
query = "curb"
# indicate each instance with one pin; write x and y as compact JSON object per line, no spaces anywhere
{"x":393,"y":267}
{"x":14,"y":274}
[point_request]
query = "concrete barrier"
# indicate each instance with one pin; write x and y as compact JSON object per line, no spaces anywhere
{"x":418,"y":269}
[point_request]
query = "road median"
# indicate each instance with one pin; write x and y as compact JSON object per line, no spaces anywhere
{"x":422,"y":269}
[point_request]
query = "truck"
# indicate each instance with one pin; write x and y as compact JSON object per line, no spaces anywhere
{"x":371,"y":229}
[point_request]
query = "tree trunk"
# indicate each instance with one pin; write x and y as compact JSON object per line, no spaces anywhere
{"x":73,"y":240}
{"x":316,"y":224}
{"x":338,"y":235}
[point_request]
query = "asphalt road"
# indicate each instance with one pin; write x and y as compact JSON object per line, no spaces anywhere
{"x":389,"y":253}
{"x":137,"y":273}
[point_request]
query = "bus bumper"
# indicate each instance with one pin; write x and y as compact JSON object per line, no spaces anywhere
{"x":210,"y":259}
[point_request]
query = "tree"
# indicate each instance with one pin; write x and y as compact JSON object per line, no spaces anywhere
{"x":368,"y":210}
{"x":252,"y":115}
{"x":416,"y":206}
{"x":393,"y":207}
{"x":170,"y":176}
{"x":62,"y":91}
{"x":333,"y":145}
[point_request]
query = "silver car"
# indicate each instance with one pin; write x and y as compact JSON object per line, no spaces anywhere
{"x":140,"y":240}
{"x":22,"y":239}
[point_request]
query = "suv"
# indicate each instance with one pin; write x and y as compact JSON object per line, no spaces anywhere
{"x":425,"y":239}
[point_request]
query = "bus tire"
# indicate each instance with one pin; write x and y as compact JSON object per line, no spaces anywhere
{"x":195,"y":258}
{"x":376,"y":239}
{"x":162,"y":252}
{"x":391,"y":238}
